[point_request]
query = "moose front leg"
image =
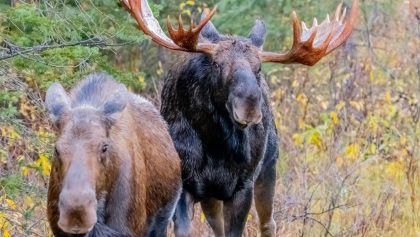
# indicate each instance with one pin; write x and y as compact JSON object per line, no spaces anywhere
{"x":263,"y":195}
{"x":183,"y":215}
{"x":213,"y":210}
{"x":236,"y":212}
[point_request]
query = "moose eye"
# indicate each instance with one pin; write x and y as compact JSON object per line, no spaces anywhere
{"x":105,"y":147}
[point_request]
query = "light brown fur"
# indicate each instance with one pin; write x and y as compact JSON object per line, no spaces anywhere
{"x":142,"y":156}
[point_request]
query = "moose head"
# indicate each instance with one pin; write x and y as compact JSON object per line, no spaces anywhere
{"x":236,"y":61}
{"x":84,"y":165}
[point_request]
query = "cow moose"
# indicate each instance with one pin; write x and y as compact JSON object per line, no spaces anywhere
{"x":112,"y":145}
{"x":217,"y":105}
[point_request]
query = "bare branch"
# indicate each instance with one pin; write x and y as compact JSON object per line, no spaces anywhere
{"x":13,"y":50}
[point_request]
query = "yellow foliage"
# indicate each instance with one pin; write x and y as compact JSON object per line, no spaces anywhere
{"x":371,"y":76}
{"x":340,"y":105}
{"x":190,"y":2}
{"x":44,"y":163}
{"x":3,"y":157}
{"x":352,"y":151}
{"x":403,"y":140}
{"x":2,"y":218}
{"x":295,"y":84}
{"x":302,"y":99}
{"x":6,"y":233}
{"x":11,"y":203}
{"x":395,"y":169}
{"x":10,"y":133}
{"x":202,"y":217}
{"x":25,"y":171}
{"x":302,"y":123}
{"x":372,"y":149}
{"x":297,"y":139}
{"x":141,"y":79}
{"x":334,"y":118}
{"x":388,"y":97}
{"x":28,"y":202}
{"x":373,"y":124}
{"x":358,"y":105}
{"x":315,"y":139}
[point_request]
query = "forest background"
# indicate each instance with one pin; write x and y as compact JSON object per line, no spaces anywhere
{"x":349,"y":126}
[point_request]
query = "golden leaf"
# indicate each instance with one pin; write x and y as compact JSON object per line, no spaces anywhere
{"x":372,"y":148}
{"x":44,"y":163}
{"x":340,"y":105}
{"x":388,"y":97}
{"x":141,"y":79}
{"x":352,"y":151}
{"x":297,"y":139}
{"x":11,"y":203}
{"x":395,"y":169}
{"x":190,"y":2}
{"x":334,"y":117}
{"x":202,"y":217}
{"x":315,"y":139}
{"x":28,"y":202}
{"x":25,"y":171}
{"x":301,"y":98}
{"x":6,"y":233}
{"x":358,"y":105}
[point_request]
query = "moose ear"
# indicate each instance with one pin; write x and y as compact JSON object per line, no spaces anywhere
{"x":209,"y":31}
{"x":57,"y":101}
{"x":115,"y":104}
{"x":258,"y":33}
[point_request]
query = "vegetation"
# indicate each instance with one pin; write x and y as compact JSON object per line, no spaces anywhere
{"x":349,"y":126}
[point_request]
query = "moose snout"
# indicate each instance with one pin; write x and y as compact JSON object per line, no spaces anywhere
{"x":246,"y":113}
{"x":77,"y":211}
{"x":245,"y":99}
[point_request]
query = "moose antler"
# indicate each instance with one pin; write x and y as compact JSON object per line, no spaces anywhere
{"x":180,"y":40}
{"x":311,"y":45}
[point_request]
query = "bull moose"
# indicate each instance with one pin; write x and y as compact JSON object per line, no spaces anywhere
{"x":217,"y":105}
{"x":116,"y":171}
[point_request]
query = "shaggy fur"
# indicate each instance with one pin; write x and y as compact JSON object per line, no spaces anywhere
{"x":223,"y":164}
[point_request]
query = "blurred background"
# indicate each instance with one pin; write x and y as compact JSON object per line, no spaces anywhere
{"x":349,"y":126}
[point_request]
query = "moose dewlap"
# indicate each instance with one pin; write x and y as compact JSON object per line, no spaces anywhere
{"x":116,"y":171}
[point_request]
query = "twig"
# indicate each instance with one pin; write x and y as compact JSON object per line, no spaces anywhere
{"x":14,"y":50}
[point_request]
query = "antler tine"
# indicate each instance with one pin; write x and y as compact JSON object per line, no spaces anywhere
{"x":343,"y":15}
{"x":297,"y":29}
{"x":338,"y":11}
{"x":311,"y":45}
{"x":188,"y":39}
{"x":204,"y":21}
{"x":179,"y":40}
{"x":347,"y":27}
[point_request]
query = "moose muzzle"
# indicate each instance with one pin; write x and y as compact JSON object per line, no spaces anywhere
{"x":245,"y":99}
{"x":77,"y":210}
